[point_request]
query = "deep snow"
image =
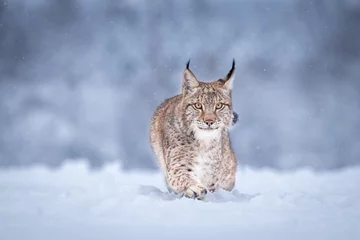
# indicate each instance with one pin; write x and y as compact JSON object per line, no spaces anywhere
{"x":76,"y":203}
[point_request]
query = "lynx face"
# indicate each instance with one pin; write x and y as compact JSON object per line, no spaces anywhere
{"x":208,"y":109}
{"x":208,"y":106}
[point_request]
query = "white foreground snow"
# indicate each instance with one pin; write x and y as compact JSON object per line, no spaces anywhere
{"x":75,"y":203}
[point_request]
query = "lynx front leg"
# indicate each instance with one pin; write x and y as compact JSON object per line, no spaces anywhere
{"x":229,"y":177}
{"x":228,"y":183}
{"x":229,"y":186}
{"x":197,"y":192}
{"x":181,"y":180}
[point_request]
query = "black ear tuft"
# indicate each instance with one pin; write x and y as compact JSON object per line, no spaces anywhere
{"x":187,"y":64}
{"x":231,"y":70}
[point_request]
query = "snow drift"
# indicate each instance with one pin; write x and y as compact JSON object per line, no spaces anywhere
{"x":74,"y":202}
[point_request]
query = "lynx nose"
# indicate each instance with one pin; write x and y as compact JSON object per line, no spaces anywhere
{"x":209,"y":122}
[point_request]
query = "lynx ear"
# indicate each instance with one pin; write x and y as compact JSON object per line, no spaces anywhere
{"x":189,"y":79}
{"x":230,"y":77}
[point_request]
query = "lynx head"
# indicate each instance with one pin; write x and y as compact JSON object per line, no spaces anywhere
{"x":207,"y":105}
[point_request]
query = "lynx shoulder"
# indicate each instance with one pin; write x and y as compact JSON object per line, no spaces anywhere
{"x":189,"y":135}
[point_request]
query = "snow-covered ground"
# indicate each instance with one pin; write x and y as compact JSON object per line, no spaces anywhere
{"x":76,"y":203}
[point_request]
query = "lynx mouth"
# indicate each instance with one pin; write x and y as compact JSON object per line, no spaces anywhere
{"x":208,"y":128}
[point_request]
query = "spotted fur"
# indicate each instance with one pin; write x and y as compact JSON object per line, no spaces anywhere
{"x":189,"y":135}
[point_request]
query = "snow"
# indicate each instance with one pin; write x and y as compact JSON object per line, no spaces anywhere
{"x":74,"y":202}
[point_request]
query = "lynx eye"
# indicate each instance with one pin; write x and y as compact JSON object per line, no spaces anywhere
{"x":198,"y":105}
{"x":219,"y":105}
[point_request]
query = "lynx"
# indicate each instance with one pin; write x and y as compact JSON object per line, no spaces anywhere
{"x":189,"y":135}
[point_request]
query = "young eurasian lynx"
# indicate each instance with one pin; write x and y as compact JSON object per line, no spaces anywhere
{"x":190,"y":136}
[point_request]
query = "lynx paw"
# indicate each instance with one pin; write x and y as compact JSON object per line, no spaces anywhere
{"x":196,"y":192}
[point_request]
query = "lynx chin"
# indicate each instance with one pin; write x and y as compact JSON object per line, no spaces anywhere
{"x":189,"y":135}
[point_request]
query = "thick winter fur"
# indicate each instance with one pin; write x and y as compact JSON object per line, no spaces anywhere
{"x":190,"y":136}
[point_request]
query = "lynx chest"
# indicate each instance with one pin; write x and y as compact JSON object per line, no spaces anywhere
{"x":207,"y":165}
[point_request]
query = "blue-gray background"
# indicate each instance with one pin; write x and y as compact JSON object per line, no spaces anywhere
{"x":81,"y":79}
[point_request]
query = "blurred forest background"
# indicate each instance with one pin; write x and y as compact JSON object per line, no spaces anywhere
{"x":80,"y":79}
